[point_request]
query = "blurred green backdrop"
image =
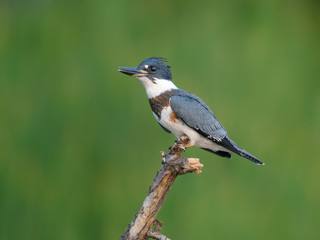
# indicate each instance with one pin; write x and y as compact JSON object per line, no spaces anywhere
{"x":79,"y":146}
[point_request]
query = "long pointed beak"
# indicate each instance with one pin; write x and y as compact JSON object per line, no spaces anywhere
{"x":132,"y":71}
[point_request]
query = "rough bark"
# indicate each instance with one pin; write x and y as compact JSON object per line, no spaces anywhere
{"x":173,"y":166}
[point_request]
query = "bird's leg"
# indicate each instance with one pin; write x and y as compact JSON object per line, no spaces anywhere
{"x":186,"y":141}
{"x":179,"y":146}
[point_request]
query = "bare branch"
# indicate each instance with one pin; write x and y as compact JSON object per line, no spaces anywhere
{"x":173,"y":165}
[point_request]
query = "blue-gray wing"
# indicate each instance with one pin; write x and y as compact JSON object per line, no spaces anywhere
{"x":197,"y":115}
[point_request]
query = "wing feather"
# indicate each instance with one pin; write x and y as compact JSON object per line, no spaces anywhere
{"x":197,"y":115}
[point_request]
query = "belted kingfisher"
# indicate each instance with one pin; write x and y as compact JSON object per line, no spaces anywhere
{"x":183,"y":113}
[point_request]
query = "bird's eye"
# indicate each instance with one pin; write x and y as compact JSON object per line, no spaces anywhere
{"x":153,"y":68}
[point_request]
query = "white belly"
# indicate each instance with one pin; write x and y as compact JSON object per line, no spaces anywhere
{"x":179,"y":129}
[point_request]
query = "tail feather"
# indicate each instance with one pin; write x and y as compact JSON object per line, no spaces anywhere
{"x":219,"y":153}
{"x":250,"y":157}
{"x":232,"y":146}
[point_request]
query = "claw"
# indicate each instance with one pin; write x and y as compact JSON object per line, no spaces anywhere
{"x":182,"y":146}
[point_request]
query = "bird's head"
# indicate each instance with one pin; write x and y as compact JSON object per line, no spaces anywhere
{"x":154,"y":75}
{"x":152,"y":68}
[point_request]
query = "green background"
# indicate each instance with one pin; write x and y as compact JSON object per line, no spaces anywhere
{"x":79,"y":146}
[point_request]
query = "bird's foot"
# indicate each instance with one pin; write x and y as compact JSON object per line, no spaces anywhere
{"x":186,"y":142}
{"x":177,"y":148}
{"x":180,"y":145}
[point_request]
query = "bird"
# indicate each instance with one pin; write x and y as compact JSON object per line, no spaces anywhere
{"x":182,"y":113}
